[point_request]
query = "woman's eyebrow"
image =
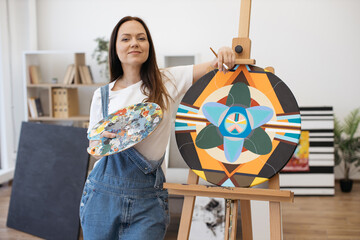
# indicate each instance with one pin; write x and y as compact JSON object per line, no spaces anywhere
{"x":129,"y":34}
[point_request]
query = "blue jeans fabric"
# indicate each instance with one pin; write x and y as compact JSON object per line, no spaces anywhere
{"x":123,"y":198}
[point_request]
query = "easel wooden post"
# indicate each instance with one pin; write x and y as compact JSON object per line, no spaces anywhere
{"x":188,"y":209}
{"x":234,"y":196}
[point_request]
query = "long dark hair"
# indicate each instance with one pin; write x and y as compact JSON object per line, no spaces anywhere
{"x":152,"y":84}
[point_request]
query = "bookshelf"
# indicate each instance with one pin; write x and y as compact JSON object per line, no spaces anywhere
{"x":49,"y":71}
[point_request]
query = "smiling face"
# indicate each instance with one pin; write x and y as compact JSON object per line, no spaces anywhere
{"x":132,"y":45}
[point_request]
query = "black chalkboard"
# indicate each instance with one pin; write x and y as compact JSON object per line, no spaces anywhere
{"x":49,"y":176}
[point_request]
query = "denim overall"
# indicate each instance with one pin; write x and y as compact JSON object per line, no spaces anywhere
{"x":123,"y":196}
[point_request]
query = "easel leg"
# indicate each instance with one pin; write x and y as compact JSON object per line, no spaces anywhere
{"x":275,"y":212}
{"x":232,"y":208}
{"x":187,"y":211}
{"x":246,"y":223}
{"x":227,"y":218}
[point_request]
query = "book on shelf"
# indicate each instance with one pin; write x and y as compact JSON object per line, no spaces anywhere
{"x":65,"y":102}
{"x":56,"y":103}
{"x":82,"y":75}
{"x":69,"y":75}
{"x":85,"y":74}
{"x":89,"y":75}
{"x":39,"y":108}
{"x":34,"y":74}
{"x":35,"y":108}
{"x":32,"y":108}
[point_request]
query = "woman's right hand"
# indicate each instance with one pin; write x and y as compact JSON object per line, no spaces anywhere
{"x":103,"y":134}
{"x":107,"y":134}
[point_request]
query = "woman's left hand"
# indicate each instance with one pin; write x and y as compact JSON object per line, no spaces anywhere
{"x":225,"y":56}
{"x":225,"y":59}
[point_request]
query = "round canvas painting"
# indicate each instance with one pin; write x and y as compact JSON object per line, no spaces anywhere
{"x":238,"y":129}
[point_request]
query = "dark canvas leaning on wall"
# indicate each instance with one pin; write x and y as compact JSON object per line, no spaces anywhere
{"x":49,"y":176}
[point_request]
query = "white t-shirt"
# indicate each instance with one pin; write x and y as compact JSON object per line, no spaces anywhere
{"x":178,"y":81}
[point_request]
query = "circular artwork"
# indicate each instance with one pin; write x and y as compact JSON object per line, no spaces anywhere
{"x":238,"y":129}
{"x":131,"y":125}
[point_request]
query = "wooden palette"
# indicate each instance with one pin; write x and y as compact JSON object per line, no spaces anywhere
{"x":238,"y":129}
{"x":131,"y":125}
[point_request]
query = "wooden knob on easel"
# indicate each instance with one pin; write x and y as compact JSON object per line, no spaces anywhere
{"x":241,"y":47}
{"x":238,"y":49}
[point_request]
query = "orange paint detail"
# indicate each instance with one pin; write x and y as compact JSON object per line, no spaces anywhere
{"x":283,"y":120}
{"x":233,"y":76}
{"x":263,"y":85}
{"x":255,"y":166}
{"x":236,"y":170}
{"x":145,"y":113}
{"x":207,"y":161}
{"x":225,"y":170}
{"x":219,"y":80}
{"x":121,"y":112}
{"x":247,"y":75}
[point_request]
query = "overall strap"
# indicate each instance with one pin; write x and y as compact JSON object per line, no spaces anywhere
{"x":105,"y":100}
{"x":104,"y":90}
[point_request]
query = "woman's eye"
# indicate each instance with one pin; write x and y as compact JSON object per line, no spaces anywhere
{"x":124,"y":39}
{"x":142,"y":38}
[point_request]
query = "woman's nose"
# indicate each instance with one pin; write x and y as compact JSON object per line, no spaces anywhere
{"x":134,"y":42}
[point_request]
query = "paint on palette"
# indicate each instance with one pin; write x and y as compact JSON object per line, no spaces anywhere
{"x":131,"y":125}
{"x":238,"y":129}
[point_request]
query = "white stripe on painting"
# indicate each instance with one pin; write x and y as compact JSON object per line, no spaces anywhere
{"x":308,"y":125}
{"x":282,"y":130}
{"x":284,"y":123}
{"x":322,"y":156}
{"x":311,"y":191}
{"x":307,"y":179}
{"x":316,"y":112}
{"x":190,"y":115}
{"x":312,"y":139}
{"x":321,"y":163}
{"x":321,"y":149}
{"x":190,"y":122}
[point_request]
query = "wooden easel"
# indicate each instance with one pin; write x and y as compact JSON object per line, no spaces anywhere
{"x":234,"y":196}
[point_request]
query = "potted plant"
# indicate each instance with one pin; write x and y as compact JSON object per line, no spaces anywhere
{"x":347,"y":147}
{"x":101,"y":55}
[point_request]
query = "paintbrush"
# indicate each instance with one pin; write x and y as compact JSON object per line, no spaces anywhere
{"x":217,"y":56}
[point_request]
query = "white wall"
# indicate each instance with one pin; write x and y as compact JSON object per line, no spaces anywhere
{"x":313,"y":45}
{"x":16,"y":35}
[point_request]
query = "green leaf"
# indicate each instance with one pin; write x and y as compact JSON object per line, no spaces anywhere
{"x":347,"y":146}
{"x":209,"y":137}
{"x":351,"y":123}
{"x":239,"y":94}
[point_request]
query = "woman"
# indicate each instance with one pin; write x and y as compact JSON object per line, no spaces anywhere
{"x":123,"y":196}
